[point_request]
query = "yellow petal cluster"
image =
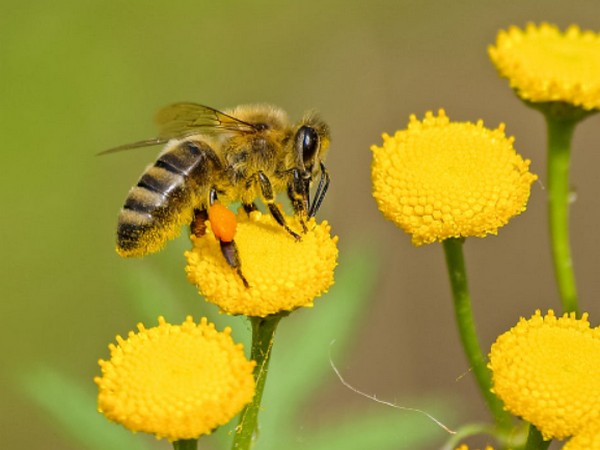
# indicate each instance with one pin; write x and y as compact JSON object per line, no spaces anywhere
{"x":466,"y":447}
{"x":439,"y":179}
{"x":543,"y":64}
{"x":547,"y":371}
{"x":283,"y":273}
{"x":588,"y":439}
{"x":175,"y":381}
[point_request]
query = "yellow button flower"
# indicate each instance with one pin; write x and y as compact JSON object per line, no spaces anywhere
{"x":439,"y":179}
{"x":175,"y":381}
{"x":547,"y":371}
{"x":283,"y":274}
{"x":588,"y":439}
{"x":466,"y":447}
{"x":544,"y":65}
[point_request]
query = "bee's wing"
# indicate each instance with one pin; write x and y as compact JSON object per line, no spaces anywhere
{"x":184,"y":119}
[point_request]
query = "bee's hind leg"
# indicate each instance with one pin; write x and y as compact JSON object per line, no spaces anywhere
{"x":230,"y":252}
{"x":228,"y":248}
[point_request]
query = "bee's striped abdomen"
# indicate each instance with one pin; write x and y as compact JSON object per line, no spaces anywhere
{"x":162,"y":201}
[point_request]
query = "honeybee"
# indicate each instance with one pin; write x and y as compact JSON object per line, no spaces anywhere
{"x":246,"y":153}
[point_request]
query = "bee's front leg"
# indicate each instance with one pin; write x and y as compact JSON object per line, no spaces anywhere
{"x":320,"y":192}
{"x":249,"y":207}
{"x":298,"y":193}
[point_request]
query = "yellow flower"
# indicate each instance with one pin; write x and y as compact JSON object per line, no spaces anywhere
{"x":175,"y":381}
{"x":466,"y":447}
{"x":283,"y":273}
{"x":440,"y":179}
{"x":547,"y":371}
{"x":544,"y":65}
{"x":589,"y":439}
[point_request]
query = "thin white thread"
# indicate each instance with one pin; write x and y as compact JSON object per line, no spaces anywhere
{"x":384,"y":402}
{"x":464,"y":374}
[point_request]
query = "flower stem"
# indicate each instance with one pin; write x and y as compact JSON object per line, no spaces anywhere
{"x":185,"y":444}
{"x":263,"y":333}
{"x":466,"y":328}
{"x":535,"y":441}
{"x":560,"y":133}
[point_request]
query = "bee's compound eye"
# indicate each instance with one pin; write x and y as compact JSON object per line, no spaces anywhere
{"x":307,"y":142}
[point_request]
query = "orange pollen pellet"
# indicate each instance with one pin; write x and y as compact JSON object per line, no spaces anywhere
{"x":222,"y":222}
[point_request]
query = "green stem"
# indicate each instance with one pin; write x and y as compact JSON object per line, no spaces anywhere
{"x":560,"y":133}
{"x":263,"y":333}
{"x":185,"y":444}
{"x":466,"y":328}
{"x":535,"y":441}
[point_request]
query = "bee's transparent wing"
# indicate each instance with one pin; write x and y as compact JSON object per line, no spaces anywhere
{"x":183,"y":119}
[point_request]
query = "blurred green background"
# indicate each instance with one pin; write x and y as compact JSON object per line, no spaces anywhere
{"x":80,"y":77}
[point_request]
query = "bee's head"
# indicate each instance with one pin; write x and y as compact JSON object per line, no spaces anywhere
{"x":311,"y":143}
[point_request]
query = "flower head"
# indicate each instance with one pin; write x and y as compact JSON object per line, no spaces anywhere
{"x":547,"y":371}
{"x":466,"y":447}
{"x":175,"y":381}
{"x":440,"y":179}
{"x":283,"y":274}
{"x":586,"y":440}
{"x":544,"y":65}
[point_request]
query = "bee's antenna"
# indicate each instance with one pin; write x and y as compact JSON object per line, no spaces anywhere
{"x":139,"y":144}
